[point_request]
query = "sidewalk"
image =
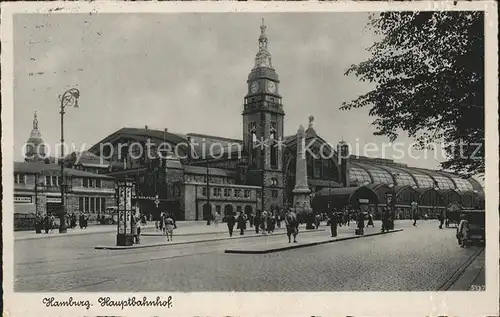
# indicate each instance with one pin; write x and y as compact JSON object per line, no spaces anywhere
{"x":187,"y":227}
{"x":184,"y":228}
{"x":302,"y":241}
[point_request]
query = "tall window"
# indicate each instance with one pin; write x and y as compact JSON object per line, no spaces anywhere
{"x":246,"y":193}
{"x":85,"y":182}
{"x":92,"y":204}
{"x":80,"y":204}
{"x":274,"y":146}
{"x":227,"y":192}
{"x":103,"y":204}
{"x":98,"y":205}
{"x":317,"y":168}
{"x":204,"y":191}
{"x":86,"y":207}
{"x":98,"y":183}
{"x":237,"y":193}
{"x":48,"y":181}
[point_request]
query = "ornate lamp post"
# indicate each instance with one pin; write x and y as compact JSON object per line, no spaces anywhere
{"x":69,"y":98}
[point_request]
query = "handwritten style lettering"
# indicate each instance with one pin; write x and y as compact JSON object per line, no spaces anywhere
{"x":132,"y":302}
{"x":70,"y":302}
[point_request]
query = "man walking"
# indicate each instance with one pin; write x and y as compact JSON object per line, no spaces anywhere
{"x":292,"y":225}
{"x":386,"y":216}
{"x":441,"y":219}
{"x":230,"y":223}
{"x":414,"y":213}
{"x":333,"y":224}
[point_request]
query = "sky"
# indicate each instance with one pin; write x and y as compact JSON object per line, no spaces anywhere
{"x":187,"y":72}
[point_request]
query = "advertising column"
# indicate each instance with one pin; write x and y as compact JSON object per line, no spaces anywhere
{"x":389,"y":201}
{"x":124,"y":235}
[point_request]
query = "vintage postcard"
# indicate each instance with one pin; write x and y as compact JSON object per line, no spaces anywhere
{"x":250,"y":159}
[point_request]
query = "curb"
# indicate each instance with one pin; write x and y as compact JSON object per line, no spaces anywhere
{"x":142,"y":246}
{"x":458,"y":273}
{"x":296,"y":246}
{"x":41,"y":236}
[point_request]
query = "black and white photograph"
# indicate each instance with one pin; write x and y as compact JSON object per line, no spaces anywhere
{"x":227,"y":151}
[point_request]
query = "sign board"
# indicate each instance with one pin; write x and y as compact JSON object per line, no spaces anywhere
{"x":364,"y":201}
{"x":22,"y":199}
{"x":54,"y":200}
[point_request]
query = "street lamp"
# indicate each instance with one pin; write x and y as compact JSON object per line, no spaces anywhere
{"x":68,"y":98}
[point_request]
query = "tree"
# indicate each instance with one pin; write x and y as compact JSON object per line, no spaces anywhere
{"x":428,"y":72}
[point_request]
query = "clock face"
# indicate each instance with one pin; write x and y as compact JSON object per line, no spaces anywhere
{"x":271,"y":87}
{"x":254,"y":87}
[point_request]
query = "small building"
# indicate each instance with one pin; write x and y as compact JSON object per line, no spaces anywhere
{"x":38,"y":184}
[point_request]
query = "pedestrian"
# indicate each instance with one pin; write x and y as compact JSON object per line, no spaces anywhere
{"x":292,"y":225}
{"x":216,"y":219}
{"x":46,"y":223}
{"x":257,"y":221}
{"x":169,"y":228}
{"x":230,"y":223}
{"x":333,"y":224}
{"x":463,"y":231}
{"x":361,"y":222}
{"x":263,"y":221}
{"x":137,"y":223}
{"x":414,"y":212}
{"x":251,"y":218}
{"x":73,"y":221}
{"x":242,"y":223}
{"x":370,"y":220}
{"x":441,"y":219}
{"x":385,"y":219}
{"x":317,"y":221}
{"x":414,"y":216}
{"x":52,"y":222}
{"x":278,"y":218}
{"x":269,"y":223}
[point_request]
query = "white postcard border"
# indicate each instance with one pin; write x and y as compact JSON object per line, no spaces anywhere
{"x":252,"y":304}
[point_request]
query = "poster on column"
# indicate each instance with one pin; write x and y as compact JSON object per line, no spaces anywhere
{"x":128,"y":207}
{"x":121,"y":210}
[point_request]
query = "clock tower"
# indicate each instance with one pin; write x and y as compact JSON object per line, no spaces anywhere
{"x":263,"y":128}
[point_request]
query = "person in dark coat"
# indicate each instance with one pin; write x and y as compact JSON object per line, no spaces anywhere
{"x":386,"y":216}
{"x":81,"y":221}
{"x":441,"y":219}
{"x":333,"y":224}
{"x":256,"y":222}
{"x":292,"y":226}
{"x":73,"y":221}
{"x":242,"y":223}
{"x":361,"y":222}
{"x":46,"y":223}
{"x":230,"y":223}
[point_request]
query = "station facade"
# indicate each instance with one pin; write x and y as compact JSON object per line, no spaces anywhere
{"x":241,"y":177}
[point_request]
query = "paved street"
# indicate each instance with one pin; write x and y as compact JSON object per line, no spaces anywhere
{"x":417,"y":259}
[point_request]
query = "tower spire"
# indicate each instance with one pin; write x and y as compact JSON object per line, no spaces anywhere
{"x":35,"y":121}
{"x":263,"y":57}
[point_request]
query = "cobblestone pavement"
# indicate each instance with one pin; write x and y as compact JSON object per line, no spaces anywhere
{"x":417,"y":259}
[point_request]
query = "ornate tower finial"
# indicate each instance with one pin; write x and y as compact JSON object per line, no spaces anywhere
{"x":311,"y":120}
{"x":35,"y":121}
